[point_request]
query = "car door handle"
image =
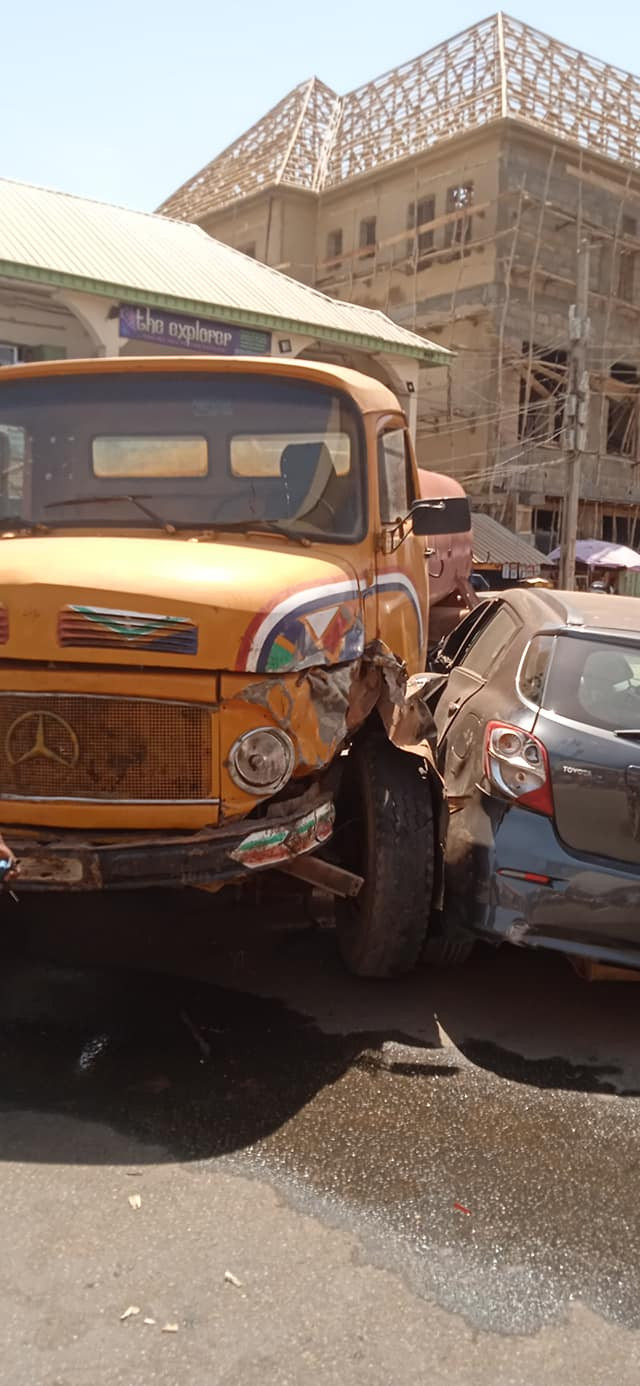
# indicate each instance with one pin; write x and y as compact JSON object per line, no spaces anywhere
{"x":454,"y":706}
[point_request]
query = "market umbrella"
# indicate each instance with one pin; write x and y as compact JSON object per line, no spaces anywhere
{"x":598,"y":554}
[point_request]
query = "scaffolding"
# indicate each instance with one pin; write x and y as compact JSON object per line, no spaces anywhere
{"x":424,"y":249}
{"x":498,"y":69}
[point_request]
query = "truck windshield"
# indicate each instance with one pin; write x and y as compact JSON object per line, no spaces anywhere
{"x":198,"y":450}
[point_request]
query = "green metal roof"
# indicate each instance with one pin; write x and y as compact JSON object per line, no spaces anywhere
{"x":71,"y":242}
{"x":494,"y":543}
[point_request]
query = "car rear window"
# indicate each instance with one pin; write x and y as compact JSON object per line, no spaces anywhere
{"x":596,"y":682}
{"x":486,"y":648}
{"x":533,"y":670}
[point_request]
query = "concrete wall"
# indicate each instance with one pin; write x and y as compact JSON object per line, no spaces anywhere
{"x":294,"y":252}
{"x":247,"y":226}
{"x":32,"y":319}
{"x":278,"y":225}
{"x":456,"y":404}
{"x":388,"y":279}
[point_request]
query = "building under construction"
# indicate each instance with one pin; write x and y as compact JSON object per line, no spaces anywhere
{"x":453,"y":193}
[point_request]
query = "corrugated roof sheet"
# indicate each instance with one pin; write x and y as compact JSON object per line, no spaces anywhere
{"x":494,"y":543}
{"x":58,"y":238}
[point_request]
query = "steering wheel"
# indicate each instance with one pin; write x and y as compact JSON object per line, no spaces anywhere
{"x":224,"y":503}
{"x":631,"y":685}
{"x":315,"y":515}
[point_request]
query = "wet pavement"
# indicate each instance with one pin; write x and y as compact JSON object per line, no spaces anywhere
{"x":433,"y":1176}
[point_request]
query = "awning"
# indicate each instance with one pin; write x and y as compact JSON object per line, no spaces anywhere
{"x":498,"y":547}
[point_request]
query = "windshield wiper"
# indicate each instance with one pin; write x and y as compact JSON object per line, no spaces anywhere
{"x":8,"y":523}
{"x":105,"y":500}
{"x":262,"y":527}
{"x":628,"y":731}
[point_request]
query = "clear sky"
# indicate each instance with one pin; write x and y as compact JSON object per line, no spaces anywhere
{"x":124,"y":100}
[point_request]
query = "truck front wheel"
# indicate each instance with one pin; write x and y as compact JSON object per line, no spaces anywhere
{"x":385,"y":833}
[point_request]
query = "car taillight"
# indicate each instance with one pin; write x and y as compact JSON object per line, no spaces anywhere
{"x":516,"y":763}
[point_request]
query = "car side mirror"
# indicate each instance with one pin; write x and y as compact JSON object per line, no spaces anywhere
{"x":448,"y":516}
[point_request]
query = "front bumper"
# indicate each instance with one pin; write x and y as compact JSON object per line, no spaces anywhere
{"x":589,"y":907}
{"x":69,"y":861}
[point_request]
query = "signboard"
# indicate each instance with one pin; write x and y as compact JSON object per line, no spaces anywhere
{"x":510,"y":571}
{"x":191,"y":334}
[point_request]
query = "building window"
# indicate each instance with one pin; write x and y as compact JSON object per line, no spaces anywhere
{"x":419,"y":214}
{"x":459,"y":199}
{"x":367,"y":237}
{"x":616,"y":529}
{"x":334,"y":248}
{"x":627,"y":261}
{"x":543,"y":392}
{"x":249,"y":249}
{"x":622,"y":411}
{"x":546,"y":529}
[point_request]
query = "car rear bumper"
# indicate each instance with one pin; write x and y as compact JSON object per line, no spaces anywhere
{"x":576,"y":905}
{"x":72,"y":861}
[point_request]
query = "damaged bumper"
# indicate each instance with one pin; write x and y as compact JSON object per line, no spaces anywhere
{"x":68,"y":861}
{"x":527,"y":888}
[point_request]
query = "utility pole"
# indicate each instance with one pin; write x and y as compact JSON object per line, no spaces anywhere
{"x":576,"y":415}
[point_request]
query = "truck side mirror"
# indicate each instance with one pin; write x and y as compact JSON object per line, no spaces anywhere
{"x":449,"y":516}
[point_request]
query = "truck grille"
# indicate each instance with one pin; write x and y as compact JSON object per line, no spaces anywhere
{"x":71,"y":747}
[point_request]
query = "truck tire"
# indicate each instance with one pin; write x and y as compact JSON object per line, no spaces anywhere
{"x":385,"y":832}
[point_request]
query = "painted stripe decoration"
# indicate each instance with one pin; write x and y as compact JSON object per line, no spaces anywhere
{"x":268,"y":622}
{"x":399,"y":582}
{"x":320,"y":624}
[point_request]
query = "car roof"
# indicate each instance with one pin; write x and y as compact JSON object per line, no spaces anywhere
{"x":597,"y":611}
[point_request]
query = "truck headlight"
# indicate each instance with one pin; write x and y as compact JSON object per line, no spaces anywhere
{"x":262,"y":760}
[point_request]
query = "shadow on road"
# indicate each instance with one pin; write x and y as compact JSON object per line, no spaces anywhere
{"x":528,"y":1017}
{"x":136,"y":1014}
{"x":451,"y":1114}
{"x":202,"y":1036}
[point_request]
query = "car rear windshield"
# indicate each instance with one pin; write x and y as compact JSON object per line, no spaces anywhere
{"x":198,"y":449}
{"x":594,"y":681}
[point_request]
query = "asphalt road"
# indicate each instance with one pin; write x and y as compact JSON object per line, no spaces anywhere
{"x":338,"y":1182}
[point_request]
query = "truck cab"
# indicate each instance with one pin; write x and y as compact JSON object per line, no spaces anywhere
{"x":212,"y":600}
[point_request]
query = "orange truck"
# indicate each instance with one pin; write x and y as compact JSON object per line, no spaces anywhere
{"x":449,"y":560}
{"x":213,"y":606}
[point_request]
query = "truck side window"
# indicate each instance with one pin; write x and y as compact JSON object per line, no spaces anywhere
{"x":395,"y":478}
